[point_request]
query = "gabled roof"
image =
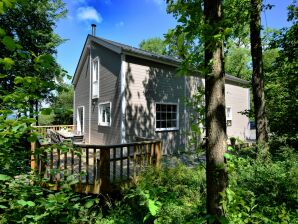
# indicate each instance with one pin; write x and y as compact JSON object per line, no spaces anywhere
{"x":129,"y":50}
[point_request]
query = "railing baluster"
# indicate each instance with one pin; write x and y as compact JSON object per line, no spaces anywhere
{"x":128,"y":161}
{"x":121,"y":163}
{"x":114,"y":164}
{"x":87,"y":165}
{"x":141,"y":157}
{"x":80,"y":165}
{"x":72,"y":161}
{"x":51,"y":164}
{"x":65,"y":165}
{"x":94,"y":165}
{"x":147,"y":154}
{"x":58,"y":165}
{"x":134,"y":161}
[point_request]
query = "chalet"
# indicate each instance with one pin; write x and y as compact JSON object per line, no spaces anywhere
{"x":122,"y":93}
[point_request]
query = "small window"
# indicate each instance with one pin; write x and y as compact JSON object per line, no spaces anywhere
{"x":229,"y":116}
{"x":95,"y":78}
{"x":104,"y":114}
{"x":166,"y":117}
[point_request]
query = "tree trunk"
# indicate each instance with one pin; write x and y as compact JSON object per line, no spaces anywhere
{"x":215,"y":110}
{"x":257,"y":75}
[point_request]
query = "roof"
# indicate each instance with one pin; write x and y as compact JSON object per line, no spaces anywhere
{"x":126,"y":49}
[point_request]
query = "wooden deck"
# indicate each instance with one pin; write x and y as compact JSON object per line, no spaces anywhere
{"x":97,"y":168}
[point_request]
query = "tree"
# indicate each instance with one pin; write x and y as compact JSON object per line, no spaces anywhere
{"x":63,"y":106}
{"x":237,"y":61}
{"x":29,"y":29}
{"x":201,"y":22}
{"x":281,"y":82}
{"x":257,"y":75}
{"x":215,"y":107}
{"x":155,"y":45}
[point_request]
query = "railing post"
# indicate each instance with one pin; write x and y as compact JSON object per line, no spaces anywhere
{"x":104,"y":169}
{"x":157,"y":154}
{"x":33,"y":157}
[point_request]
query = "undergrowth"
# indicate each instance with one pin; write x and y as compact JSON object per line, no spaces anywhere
{"x":258,"y":192}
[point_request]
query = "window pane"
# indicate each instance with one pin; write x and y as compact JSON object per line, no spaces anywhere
{"x":108,"y":114}
{"x":163,"y":124}
{"x":169,"y":124}
{"x":158,"y":124}
{"x":157,"y":116}
{"x":174,"y":123}
{"x":164,"y":116}
{"x":163,"y":107}
{"x":103,"y":115}
{"x":158,"y":107}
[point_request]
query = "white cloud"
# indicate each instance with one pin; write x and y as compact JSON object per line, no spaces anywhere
{"x":120,"y":24}
{"x":89,"y":13}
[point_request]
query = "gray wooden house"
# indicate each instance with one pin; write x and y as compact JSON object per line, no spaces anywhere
{"x":121,"y":92}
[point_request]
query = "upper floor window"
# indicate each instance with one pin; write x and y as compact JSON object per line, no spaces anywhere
{"x":166,"y":117}
{"x":95,"y":77}
{"x":104,"y":114}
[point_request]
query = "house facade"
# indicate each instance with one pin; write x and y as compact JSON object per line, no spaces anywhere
{"x":121,"y":93}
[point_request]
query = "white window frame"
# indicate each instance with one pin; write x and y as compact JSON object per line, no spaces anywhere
{"x":95,"y":91}
{"x":230,"y":118}
{"x":107,"y":124}
{"x":78,"y":120}
{"x":177,"y":117}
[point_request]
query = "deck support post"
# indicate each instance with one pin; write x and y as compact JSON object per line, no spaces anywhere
{"x":157,"y":154}
{"x":104,"y":170}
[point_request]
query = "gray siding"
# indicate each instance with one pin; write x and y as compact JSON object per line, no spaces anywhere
{"x":82,"y":95}
{"x":237,"y":97}
{"x":148,"y":83}
{"x":109,"y":91}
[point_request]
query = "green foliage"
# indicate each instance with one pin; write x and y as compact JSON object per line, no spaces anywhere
{"x":237,"y":62}
{"x":60,"y":110}
{"x":27,"y":42}
{"x":197,"y":110}
{"x":22,"y":202}
{"x":262,"y":192}
{"x":155,"y":45}
{"x":169,"y":195}
{"x":281,"y":85}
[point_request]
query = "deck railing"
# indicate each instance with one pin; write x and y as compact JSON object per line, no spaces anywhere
{"x":97,"y":168}
{"x":42,"y":130}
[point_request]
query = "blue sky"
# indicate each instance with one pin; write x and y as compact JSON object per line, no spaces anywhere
{"x":128,"y":22}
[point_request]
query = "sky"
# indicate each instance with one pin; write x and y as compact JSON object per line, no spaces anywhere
{"x":128,"y":22}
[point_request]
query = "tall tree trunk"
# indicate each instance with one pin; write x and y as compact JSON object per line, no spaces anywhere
{"x":257,"y":76}
{"x":215,"y":109}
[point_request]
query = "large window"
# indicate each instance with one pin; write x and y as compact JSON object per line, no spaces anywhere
{"x":229,"y":116}
{"x":95,"y":78}
{"x":166,"y":117}
{"x":104,"y":114}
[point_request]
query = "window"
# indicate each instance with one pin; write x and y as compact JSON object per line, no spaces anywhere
{"x":104,"y":114}
{"x":95,"y":78}
{"x":166,"y":117}
{"x":229,"y":116}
